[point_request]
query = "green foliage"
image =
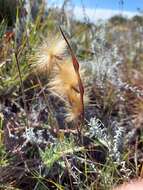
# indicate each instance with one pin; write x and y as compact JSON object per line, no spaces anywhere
{"x":15,"y":70}
{"x":3,"y":154}
{"x":138,"y":19}
{"x":8,"y":11}
{"x":58,"y":151}
{"x":118,"y":19}
{"x":3,"y":27}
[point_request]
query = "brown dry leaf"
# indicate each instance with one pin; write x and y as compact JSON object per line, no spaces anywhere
{"x":76,"y":68}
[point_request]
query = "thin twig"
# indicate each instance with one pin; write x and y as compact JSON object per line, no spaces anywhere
{"x":22,"y":87}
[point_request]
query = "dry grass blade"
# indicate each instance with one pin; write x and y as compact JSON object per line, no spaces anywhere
{"x":76,"y":68}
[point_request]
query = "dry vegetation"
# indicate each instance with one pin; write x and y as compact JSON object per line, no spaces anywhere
{"x":71,"y":101}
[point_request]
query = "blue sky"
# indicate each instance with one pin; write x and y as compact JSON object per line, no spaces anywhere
{"x":102,"y":9}
{"x":129,"y":5}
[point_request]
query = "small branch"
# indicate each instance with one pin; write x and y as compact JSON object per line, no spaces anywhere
{"x":21,"y":86}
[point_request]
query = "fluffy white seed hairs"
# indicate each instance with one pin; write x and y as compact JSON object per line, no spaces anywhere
{"x":51,"y":59}
{"x":49,"y":53}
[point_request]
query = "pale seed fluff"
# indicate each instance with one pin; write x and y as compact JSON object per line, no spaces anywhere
{"x":65,"y":84}
{"x":48,"y":54}
{"x":50,"y":58}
